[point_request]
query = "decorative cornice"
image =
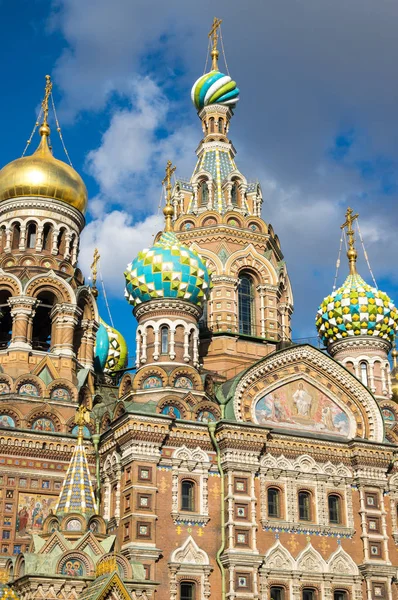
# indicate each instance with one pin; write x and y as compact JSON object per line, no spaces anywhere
{"x":167,"y":305}
{"x":359,"y":343}
{"x":55,"y":207}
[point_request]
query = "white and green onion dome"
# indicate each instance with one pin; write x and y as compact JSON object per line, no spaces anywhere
{"x":167,"y":270}
{"x":110,"y":354}
{"x":355,"y":309}
{"x":214,"y":88}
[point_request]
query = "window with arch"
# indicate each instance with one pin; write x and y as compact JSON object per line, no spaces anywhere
{"x":31,"y":235}
{"x":42,"y":322}
{"x":340,"y":595}
{"x":220,"y":126}
{"x":203,"y":194}
{"x":308,"y":594}
{"x":16,"y":236}
{"x":61,"y":241}
{"x":246,"y":304}
{"x":304,"y":506}
{"x":364,"y":372}
{"x":47,"y":236}
{"x":276,"y":592}
{"x":187,"y":590}
{"x":187,"y":495}
{"x":334,"y":505}
{"x":274,"y":502}
{"x":3,"y":237}
{"x":234,"y":193}
{"x":164,"y":340}
{"x":5,"y":319}
{"x":211,"y":124}
{"x":191,"y":342}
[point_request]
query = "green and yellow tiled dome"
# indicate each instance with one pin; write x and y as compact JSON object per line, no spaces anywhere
{"x":356,"y":309}
{"x":167,"y":270}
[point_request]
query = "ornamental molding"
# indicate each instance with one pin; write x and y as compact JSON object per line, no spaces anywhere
{"x":47,"y":205}
{"x":167,"y":305}
{"x":222,"y":231}
{"x":332,"y":369}
{"x":305,"y":464}
{"x":225,"y":279}
{"x":189,"y":553}
{"x":359,"y":343}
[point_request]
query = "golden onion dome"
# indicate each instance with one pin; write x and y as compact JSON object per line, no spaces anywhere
{"x":43,"y":175}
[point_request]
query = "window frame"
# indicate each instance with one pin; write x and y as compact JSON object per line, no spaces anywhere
{"x":272,"y":488}
{"x":341,"y":591}
{"x":245,"y":482}
{"x":310,"y":507}
{"x":311,"y":589}
{"x":192,"y":497}
{"x":246,"y":304}
{"x":164,"y":340}
{"x":193,"y":587}
{"x":277,"y":587}
{"x":339,"y":520}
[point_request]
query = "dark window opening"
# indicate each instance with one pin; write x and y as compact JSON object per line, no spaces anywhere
{"x":340,"y":595}
{"x":187,"y":591}
{"x":188,"y":495}
{"x":16,"y":236}
{"x":203,"y":194}
{"x":220,"y":126}
{"x":246,"y":304}
{"x":211,"y":125}
{"x":309,"y":594}
{"x":164,"y":339}
{"x":334,"y":509}
{"x":31,"y":235}
{"x":304,"y":502}
{"x":47,"y":236}
{"x":61,"y":241}
{"x":234,"y":194}
{"x":5,"y":319}
{"x":42,"y":323}
{"x":273,"y":502}
{"x":277,"y":593}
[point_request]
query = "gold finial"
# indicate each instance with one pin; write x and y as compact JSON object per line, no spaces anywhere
{"x":213,"y":33}
{"x":82,"y":417}
{"x":351,"y":253}
{"x":394,"y":355}
{"x":45,"y":129}
{"x":94,"y":271}
{"x":168,"y":210}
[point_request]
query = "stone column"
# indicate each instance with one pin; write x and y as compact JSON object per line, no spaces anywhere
{"x":64,"y":319}
{"x":86,"y":356}
{"x":22,"y":313}
{"x":22,"y":238}
{"x":7,"y":247}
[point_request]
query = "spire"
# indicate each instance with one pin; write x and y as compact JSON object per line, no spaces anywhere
{"x":168,"y":210}
{"x":213,"y":34}
{"x":94,"y":272}
{"x":351,"y":253}
{"x":77,"y":495}
{"x":45,"y":129}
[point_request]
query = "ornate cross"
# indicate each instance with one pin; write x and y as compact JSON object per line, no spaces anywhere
{"x":352,"y":253}
{"x":168,"y":210}
{"x":94,"y":267}
{"x":213,"y":33}
{"x":44,"y":104}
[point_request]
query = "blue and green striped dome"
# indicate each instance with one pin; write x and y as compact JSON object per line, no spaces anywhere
{"x":167,"y":270}
{"x":355,"y":309}
{"x":214,"y":88}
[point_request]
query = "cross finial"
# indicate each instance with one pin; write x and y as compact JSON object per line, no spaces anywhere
{"x":82,"y":417}
{"x":94,"y":271}
{"x":351,"y":253}
{"x":213,"y":33}
{"x":168,"y":210}
{"x":44,"y":104}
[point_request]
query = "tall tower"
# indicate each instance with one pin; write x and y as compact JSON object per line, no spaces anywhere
{"x":358,"y":323}
{"x":218,"y":213}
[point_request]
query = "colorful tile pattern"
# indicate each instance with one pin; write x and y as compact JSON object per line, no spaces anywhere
{"x":167,"y":270}
{"x":111,"y":352}
{"x":6,"y":593}
{"x":356,"y":308}
{"x":77,"y":495}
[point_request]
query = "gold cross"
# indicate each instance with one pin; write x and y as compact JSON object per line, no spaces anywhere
{"x":213,"y":33}
{"x":44,"y":104}
{"x":352,"y":253}
{"x":94,"y":267}
{"x":168,"y":210}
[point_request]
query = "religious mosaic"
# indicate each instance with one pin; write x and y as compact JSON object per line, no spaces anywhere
{"x":4,"y":388}
{"x":73,"y":568}
{"x":32,"y":511}
{"x":183,"y":382}
{"x":28,"y":389}
{"x":171,"y":411}
{"x":86,"y":431}
{"x":6,"y":421}
{"x":60,"y":393}
{"x":152,"y":382}
{"x":43,"y":424}
{"x":205,"y":416}
{"x":299,"y":405}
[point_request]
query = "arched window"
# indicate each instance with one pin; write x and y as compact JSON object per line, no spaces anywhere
{"x":276,"y":592}
{"x":340,"y":595}
{"x":309,"y":594}
{"x":3,"y":237}
{"x":211,"y":125}
{"x":273,"y":495}
{"x":61,"y":241}
{"x":31,"y":235}
{"x":364,"y":372}
{"x":191,"y":345}
{"x":203,"y":319}
{"x":187,"y":590}
{"x":164,"y":340}
{"x":16,"y":236}
{"x":220,"y":126}
{"x":234,"y":193}
{"x":304,"y":505}
{"x":334,"y":503}
{"x":47,"y":236}
{"x":187,"y":495}
{"x":42,"y":324}
{"x":5,"y":319}
{"x":203,"y":194}
{"x":246,"y":304}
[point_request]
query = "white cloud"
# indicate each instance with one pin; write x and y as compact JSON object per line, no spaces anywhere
{"x":118,"y":239}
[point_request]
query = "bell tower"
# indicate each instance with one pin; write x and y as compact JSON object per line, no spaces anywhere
{"x":218,"y":213}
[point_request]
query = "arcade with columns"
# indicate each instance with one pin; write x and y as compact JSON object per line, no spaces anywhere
{"x":227,"y":462}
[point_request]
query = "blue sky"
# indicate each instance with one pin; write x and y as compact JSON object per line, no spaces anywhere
{"x":316,"y":124}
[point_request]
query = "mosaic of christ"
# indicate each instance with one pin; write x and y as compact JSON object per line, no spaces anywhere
{"x":299,"y":405}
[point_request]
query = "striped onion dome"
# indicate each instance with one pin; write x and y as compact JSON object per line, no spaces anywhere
{"x":110,"y":349}
{"x":356,"y":309}
{"x":214,"y":88}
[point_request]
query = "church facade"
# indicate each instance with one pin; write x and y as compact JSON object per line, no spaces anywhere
{"x":229,"y":463}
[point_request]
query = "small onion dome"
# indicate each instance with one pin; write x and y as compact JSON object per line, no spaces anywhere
{"x":167,"y":270}
{"x":214,"y":88}
{"x":110,"y":354}
{"x":355,"y":309}
{"x":44,"y":176}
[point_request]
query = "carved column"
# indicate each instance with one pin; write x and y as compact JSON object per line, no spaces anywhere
{"x":22,"y":313}
{"x":86,"y":353}
{"x":64,"y":318}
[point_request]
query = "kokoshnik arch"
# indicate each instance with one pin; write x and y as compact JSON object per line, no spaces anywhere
{"x":228,"y":462}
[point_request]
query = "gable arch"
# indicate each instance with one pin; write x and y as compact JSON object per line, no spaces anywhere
{"x":248,"y":257}
{"x":50,"y":282}
{"x":190,"y":553}
{"x":279,"y":558}
{"x":341,"y":563}
{"x":310,"y":561}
